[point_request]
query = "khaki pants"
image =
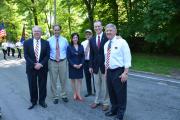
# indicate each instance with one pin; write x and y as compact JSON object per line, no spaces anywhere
{"x":58,"y":69}
{"x":102,"y":95}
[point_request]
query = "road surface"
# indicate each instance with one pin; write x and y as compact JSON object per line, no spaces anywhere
{"x":150,"y":97}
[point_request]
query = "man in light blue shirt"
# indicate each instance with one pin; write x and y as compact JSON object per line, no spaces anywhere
{"x":58,"y":64}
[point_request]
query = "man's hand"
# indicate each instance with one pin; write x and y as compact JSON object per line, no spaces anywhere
{"x":37,"y":66}
{"x":75,"y":66}
{"x":123,"y":77}
{"x":91,"y":70}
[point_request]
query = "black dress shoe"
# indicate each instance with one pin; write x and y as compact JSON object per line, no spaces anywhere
{"x":87,"y":95}
{"x":110,"y":113}
{"x":118,"y":118}
{"x":55,"y":101}
{"x":43,"y":104}
{"x":32,"y":106}
{"x":65,"y":99}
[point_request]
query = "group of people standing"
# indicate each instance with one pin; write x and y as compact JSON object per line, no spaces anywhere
{"x":104,"y":57}
{"x":9,"y":47}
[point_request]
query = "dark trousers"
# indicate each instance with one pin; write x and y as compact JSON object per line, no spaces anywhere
{"x":13,"y":51}
{"x":4,"y":53}
{"x":8,"y":51}
{"x":34,"y":87}
{"x":19,"y":52}
{"x":117,"y":91}
{"x":88,"y":77}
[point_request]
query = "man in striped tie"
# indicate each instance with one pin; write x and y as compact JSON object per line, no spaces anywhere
{"x":36,"y":54}
{"x":117,"y":62}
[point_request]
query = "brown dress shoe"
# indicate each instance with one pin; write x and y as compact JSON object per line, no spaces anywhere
{"x":105,"y":107}
{"x":95,"y":105}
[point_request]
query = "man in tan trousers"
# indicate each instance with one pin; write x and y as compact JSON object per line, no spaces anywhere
{"x":58,"y":64}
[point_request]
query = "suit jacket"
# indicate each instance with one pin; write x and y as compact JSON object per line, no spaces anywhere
{"x":75,"y":57}
{"x":30,"y":58}
{"x":97,"y":54}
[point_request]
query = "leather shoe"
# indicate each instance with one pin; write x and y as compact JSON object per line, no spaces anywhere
{"x":55,"y":101}
{"x":118,"y":118}
{"x":65,"y":99}
{"x":105,"y":107}
{"x":32,"y":106}
{"x":95,"y":105}
{"x":43,"y":104}
{"x":87,"y":95}
{"x":110,"y":113}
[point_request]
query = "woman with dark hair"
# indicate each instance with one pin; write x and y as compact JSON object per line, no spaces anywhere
{"x":75,"y":57}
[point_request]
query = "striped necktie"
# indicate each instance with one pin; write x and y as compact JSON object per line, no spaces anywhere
{"x":57,"y":50}
{"x":108,"y":54}
{"x":37,"y":50}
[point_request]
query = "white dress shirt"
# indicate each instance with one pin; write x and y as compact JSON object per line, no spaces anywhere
{"x":120,"y":55}
{"x":84,"y":44}
{"x":34,"y":44}
{"x":97,"y":38}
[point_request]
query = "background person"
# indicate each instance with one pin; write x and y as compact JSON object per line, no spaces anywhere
{"x":19,"y":48}
{"x":12,"y":47}
{"x":88,"y":35}
{"x":4,"y":49}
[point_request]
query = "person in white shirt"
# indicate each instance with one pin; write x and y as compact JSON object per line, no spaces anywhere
{"x":12,"y":46}
{"x":85,"y":43}
{"x":4,"y":49}
{"x":19,"y":47}
{"x":8,"y":48}
{"x":117,"y":62}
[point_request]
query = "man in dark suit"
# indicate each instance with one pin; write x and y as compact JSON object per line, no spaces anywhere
{"x":97,"y":66}
{"x":36,"y":54}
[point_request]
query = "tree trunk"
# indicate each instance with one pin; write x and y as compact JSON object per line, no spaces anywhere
{"x":34,"y":11}
{"x":69,"y":17}
{"x":90,"y":4}
{"x":114,"y":7}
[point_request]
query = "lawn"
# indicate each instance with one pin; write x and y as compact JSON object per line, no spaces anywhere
{"x":156,"y":63}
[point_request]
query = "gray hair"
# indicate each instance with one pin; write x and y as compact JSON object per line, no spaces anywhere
{"x":98,"y":21}
{"x":110,"y":25}
{"x":36,"y":27}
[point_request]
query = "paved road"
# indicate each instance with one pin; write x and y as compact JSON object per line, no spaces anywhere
{"x":150,"y":97}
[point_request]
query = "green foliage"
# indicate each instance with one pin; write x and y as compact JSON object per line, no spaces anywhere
{"x":155,"y":21}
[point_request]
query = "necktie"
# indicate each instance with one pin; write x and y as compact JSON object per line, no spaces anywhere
{"x":57,"y":50}
{"x":37,"y":50}
{"x":108,"y":54}
{"x":99,"y":42}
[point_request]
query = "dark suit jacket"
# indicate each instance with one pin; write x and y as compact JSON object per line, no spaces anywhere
{"x":75,"y":57}
{"x":97,"y":55}
{"x":30,"y":58}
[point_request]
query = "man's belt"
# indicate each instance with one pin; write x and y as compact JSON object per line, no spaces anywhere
{"x":57,"y":61}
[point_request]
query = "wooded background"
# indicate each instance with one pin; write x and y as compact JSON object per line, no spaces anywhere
{"x":149,"y":26}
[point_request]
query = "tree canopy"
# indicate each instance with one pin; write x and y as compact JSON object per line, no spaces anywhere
{"x":155,"y":22}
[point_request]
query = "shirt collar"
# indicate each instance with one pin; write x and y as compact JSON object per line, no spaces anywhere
{"x":99,"y":35}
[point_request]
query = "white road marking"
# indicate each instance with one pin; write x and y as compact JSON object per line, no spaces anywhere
{"x":154,"y":78}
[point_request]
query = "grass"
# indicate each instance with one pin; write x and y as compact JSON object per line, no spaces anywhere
{"x":155,"y":63}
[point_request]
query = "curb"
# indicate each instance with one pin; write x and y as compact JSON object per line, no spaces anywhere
{"x":155,"y":74}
